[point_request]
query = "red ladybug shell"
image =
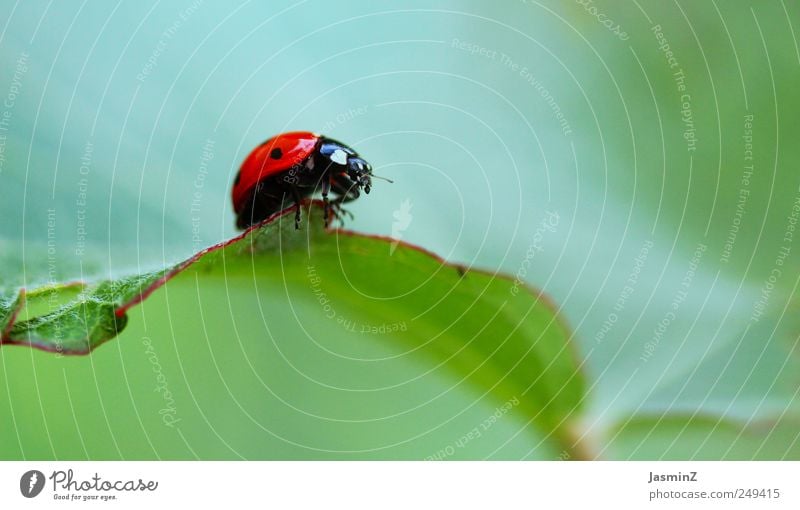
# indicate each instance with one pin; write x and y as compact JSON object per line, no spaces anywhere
{"x":278,"y":154}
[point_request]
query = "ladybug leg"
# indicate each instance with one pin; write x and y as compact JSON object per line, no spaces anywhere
{"x":345,"y":188}
{"x":339,"y":212}
{"x":326,"y":188}
{"x":297,"y":200}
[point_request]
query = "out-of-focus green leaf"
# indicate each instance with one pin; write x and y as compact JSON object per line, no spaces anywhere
{"x":706,"y":438}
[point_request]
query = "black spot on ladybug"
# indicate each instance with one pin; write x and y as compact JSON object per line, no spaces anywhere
{"x":276,"y":153}
{"x":238,"y":178}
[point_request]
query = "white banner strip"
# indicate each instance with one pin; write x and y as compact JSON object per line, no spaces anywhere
{"x":400,"y":485}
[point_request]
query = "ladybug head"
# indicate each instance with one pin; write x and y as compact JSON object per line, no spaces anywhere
{"x":360,"y":172}
{"x":356,"y":168}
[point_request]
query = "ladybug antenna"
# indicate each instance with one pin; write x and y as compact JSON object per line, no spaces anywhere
{"x":381,"y":178}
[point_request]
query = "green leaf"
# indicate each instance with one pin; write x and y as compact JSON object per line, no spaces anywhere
{"x":675,"y":437}
{"x":10,"y":304}
{"x":77,"y":327}
{"x":496,"y":335}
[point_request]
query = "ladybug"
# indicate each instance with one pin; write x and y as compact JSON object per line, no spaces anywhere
{"x":291,"y":167}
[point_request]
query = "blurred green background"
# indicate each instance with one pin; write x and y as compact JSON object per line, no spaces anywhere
{"x":673,"y":181}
